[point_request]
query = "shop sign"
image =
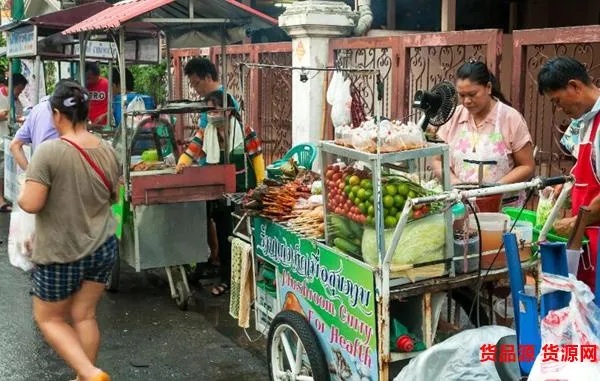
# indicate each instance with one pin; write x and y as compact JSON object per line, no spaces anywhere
{"x":97,"y":50}
{"x":21,"y":42}
{"x":335,"y":293}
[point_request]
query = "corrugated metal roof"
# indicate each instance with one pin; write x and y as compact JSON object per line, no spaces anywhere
{"x":128,"y":10}
{"x":54,"y":22}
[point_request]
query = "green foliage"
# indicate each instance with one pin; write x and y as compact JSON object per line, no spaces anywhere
{"x":50,"y":76}
{"x":3,"y":59}
{"x":151,"y":80}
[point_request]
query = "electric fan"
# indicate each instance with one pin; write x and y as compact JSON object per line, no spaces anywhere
{"x":437,"y":104}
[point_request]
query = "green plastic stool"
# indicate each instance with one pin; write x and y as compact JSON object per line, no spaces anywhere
{"x":304,"y":154}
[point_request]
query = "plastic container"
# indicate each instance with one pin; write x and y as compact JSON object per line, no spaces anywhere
{"x":489,"y":204}
{"x":492,"y":227}
{"x":529,"y":215}
{"x":523,"y":230}
{"x":472,"y":246}
{"x":573,"y":257}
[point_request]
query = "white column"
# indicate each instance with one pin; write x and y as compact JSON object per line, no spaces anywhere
{"x":311,"y":24}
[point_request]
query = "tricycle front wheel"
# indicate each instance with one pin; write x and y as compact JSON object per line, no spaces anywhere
{"x":294,"y":352}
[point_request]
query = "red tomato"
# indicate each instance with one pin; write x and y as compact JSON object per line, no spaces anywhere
{"x":329,"y":174}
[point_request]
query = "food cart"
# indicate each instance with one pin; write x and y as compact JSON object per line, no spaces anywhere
{"x":39,"y":39}
{"x":345,"y":305}
{"x":153,"y":200}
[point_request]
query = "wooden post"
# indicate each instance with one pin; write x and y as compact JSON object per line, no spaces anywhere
{"x":448,"y":22}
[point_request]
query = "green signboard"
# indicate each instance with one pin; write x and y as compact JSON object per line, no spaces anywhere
{"x":334,"y":292}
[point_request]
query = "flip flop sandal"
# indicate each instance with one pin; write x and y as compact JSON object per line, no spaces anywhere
{"x":219,"y":290}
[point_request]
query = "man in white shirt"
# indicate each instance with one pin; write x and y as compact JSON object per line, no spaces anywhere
{"x":19,"y":83}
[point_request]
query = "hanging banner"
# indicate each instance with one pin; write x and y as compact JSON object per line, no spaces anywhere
{"x":334,"y":292}
{"x":21,"y":42}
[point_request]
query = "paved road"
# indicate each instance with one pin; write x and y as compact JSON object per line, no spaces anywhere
{"x":145,"y":336}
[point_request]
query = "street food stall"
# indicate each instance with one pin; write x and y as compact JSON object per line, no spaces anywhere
{"x":39,"y":38}
{"x":163,"y":215}
{"x":351,"y":267}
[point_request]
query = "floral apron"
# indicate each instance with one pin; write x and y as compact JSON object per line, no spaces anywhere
{"x":474,"y":146}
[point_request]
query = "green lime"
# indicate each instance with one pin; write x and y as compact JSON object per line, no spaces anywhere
{"x":370,"y":220}
{"x":369,"y":193}
{"x":403,"y":189}
{"x":355,"y":189}
{"x":354,"y":180}
{"x":362,"y":194}
{"x":347,"y":189}
{"x":390,"y":221}
{"x":393,"y":211}
{"x":371,"y":210}
{"x":366,"y":184}
{"x":351,"y":195}
{"x":399,"y":201}
{"x":388,"y":201}
{"x":356,"y":201}
{"x":364,"y":208}
{"x":371,"y":199}
{"x":384,"y":191}
{"x":391,"y":189}
{"x":411,"y":194}
{"x":347,"y":180}
{"x":398,"y":215}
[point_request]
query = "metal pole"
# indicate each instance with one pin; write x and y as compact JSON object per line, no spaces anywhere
{"x":110,"y":94}
{"x":37,"y":66}
{"x":121,"y":55}
{"x":82,"y":51}
{"x":169,"y":74}
{"x":224,"y":84}
{"x":11,"y":98}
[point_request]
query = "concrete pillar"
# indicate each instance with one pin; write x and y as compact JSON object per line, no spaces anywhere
{"x":311,"y":24}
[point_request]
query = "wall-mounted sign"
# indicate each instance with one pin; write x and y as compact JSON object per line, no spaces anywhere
{"x":22,"y":42}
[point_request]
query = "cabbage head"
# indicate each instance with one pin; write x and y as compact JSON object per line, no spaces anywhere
{"x":423,"y":240}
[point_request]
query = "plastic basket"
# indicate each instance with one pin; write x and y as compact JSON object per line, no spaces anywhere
{"x":530,"y":215}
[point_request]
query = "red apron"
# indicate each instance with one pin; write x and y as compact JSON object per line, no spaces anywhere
{"x":586,"y":188}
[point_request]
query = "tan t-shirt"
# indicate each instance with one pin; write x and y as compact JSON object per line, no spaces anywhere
{"x":77,"y":216}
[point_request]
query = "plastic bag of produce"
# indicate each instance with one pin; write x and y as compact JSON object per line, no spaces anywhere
{"x":570,"y":336}
{"x":422,"y":240}
{"x":20,"y":239}
{"x":545,"y":205}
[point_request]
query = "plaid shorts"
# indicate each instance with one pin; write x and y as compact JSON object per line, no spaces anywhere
{"x":59,"y":281}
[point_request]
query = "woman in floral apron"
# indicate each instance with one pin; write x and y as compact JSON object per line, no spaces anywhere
{"x":485,"y":128}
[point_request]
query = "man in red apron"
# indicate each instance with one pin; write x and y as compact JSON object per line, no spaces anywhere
{"x":570,"y":88}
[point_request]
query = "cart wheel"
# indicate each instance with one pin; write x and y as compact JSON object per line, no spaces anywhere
{"x":294,"y":352}
{"x":183,"y":296}
{"x":115,"y":276}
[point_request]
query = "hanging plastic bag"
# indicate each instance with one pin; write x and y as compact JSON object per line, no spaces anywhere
{"x":545,"y":205}
{"x":570,"y":336}
{"x":138,"y":107}
{"x":20,"y":239}
{"x":340,"y":99}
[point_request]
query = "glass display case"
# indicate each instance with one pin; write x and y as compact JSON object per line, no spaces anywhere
{"x":364,"y":196}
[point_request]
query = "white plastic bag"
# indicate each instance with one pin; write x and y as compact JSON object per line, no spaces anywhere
{"x":578,"y":325}
{"x":340,"y":99}
{"x":545,"y":205}
{"x":20,"y":239}
{"x":457,"y":358}
{"x":136,"y":105}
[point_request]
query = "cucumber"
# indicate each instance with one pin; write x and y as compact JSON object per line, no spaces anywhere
{"x":357,"y":229}
{"x":346,"y":246}
{"x":340,"y":227}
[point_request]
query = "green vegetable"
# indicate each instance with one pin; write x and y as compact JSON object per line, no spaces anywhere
{"x":544,"y":208}
{"x":150,"y":155}
{"x":346,"y":246}
{"x":423,"y":240}
{"x":340,"y":227}
{"x":357,"y":230}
